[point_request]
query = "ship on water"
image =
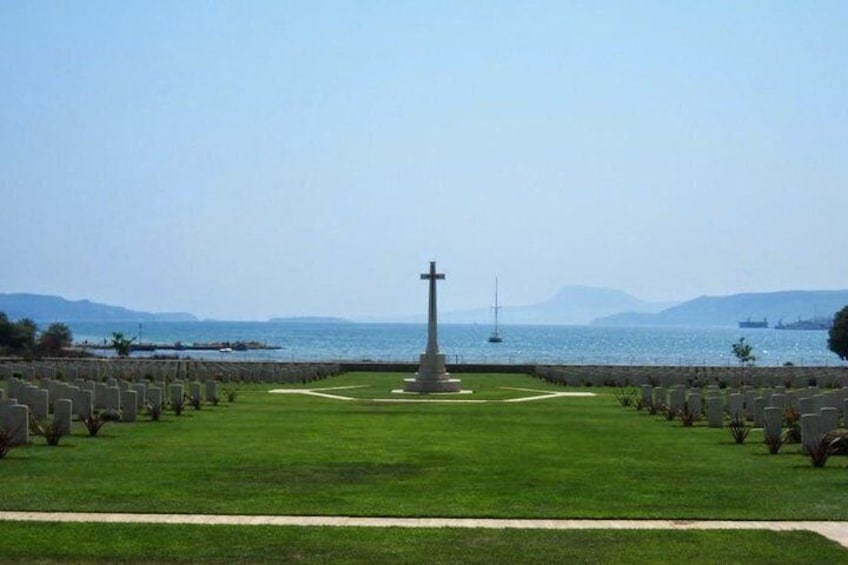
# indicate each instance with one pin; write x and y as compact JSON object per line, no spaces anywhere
{"x":749,"y":323}
{"x":813,"y":324}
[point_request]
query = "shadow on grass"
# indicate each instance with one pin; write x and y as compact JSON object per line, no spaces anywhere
{"x":333,"y":474}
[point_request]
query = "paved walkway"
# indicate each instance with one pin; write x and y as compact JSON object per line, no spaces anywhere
{"x":836,"y":531}
{"x":449,"y":398}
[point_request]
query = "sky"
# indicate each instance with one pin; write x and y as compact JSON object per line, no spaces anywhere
{"x":246,"y":160}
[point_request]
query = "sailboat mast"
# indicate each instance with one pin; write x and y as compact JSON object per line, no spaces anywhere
{"x":495,"y":337}
{"x":496,"y":305}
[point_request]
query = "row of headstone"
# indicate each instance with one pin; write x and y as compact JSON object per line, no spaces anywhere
{"x":747,"y":403}
{"x":692,"y":376}
{"x":100,"y":395}
{"x":135,"y":370}
{"x":82,"y":398}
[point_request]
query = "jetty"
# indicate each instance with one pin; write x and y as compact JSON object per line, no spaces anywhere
{"x":179,"y":346}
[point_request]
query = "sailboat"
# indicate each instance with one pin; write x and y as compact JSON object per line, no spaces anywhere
{"x":496,"y":336}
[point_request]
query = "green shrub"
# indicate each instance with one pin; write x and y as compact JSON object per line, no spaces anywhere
{"x":50,"y":431}
{"x":774,"y":443}
{"x":652,"y":406}
{"x":177,"y":404}
{"x":153,"y":410}
{"x":5,"y":442}
{"x":626,"y":396}
{"x":838,"y":441}
{"x":820,"y":451}
{"x":739,"y":430}
{"x":669,"y":413}
{"x":231,"y":394}
{"x":688,"y":416}
{"x":194,"y":401}
{"x":792,"y":422}
{"x":93,"y":423}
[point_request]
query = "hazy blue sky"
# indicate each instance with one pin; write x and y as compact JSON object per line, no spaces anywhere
{"x":253,"y":159}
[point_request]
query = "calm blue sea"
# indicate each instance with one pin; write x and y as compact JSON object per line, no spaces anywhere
{"x":468,"y":343}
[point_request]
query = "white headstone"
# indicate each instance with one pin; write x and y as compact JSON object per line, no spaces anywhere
{"x":676,"y":398}
{"x":734,"y":406}
{"x":141,"y":394}
{"x":112,"y":399}
{"x":695,"y":403}
{"x":760,"y":404}
{"x":829,"y":419}
{"x":660,"y":397}
{"x":40,"y":404}
{"x":211,"y":391}
{"x":62,"y":410}
{"x":176,"y":391}
{"x":807,"y":406}
{"x":99,"y":395}
{"x":16,"y":423}
{"x":154,"y":395}
{"x":811,"y":432}
{"x":129,"y":401}
{"x":715,"y":412}
{"x":83,"y":403}
{"x":772,"y":423}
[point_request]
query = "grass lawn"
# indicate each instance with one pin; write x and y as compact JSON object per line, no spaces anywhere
{"x":295,"y":454}
{"x":97,"y":543}
{"x":553,"y":458}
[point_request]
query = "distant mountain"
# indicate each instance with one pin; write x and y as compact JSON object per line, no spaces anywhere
{"x":310,"y":320}
{"x":45,"y":309}
{"x":571,"y":305}
{"x":788,"y":306}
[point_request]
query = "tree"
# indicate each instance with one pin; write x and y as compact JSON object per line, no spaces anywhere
{"x":837,"y":338}
{"x":5,"y":330}
{"x":743,"y":352}
{"x":56,"y":337}
{"x":23,"y":334}
{"x":122,"y":345}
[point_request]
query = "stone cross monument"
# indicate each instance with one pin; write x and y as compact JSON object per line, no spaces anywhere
{"x":432,"y":376}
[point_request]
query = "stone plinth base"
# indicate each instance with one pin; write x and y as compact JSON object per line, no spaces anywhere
{"x":446,"y":385}
{"x":432,"y":376}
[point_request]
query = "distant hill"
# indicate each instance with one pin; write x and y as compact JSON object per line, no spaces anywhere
{"x":575,"y":305}
{"x":45,"y":309}
{"x":788,"y":306}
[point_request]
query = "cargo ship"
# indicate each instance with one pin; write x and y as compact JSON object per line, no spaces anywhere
{"x":749,"y":323}
{"x":814,"y":324}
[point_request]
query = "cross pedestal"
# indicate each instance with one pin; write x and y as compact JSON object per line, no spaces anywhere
{"x":431,"y":375}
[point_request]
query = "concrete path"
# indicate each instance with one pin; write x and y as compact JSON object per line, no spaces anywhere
{"x":445,"y":398}
{"x":836,"y":531}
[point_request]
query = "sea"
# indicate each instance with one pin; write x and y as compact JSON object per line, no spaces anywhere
{"x":522,"y":344}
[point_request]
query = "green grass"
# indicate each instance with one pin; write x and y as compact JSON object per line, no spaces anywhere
{"x":295,"y":454}
{"x":75,"y":543}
